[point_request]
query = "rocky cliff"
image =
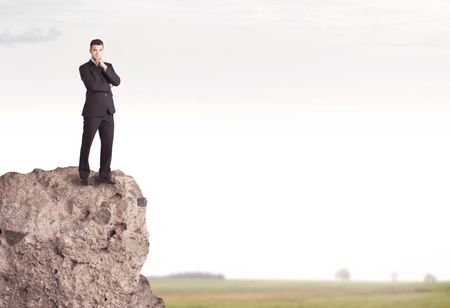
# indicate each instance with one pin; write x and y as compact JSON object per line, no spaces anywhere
{"x":67,"y":245}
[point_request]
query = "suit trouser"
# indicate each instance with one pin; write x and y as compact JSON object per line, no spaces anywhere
{"x":105,"y":126}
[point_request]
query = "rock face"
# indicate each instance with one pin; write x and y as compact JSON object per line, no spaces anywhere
{"x":67,"y":245}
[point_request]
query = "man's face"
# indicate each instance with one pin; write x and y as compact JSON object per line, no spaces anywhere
{"x":96,"y":51}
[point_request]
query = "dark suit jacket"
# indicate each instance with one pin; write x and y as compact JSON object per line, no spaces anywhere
{"x":99,"y":97}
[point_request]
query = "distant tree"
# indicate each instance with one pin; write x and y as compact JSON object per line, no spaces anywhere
{"x":394,"y":277}
{"x":197,"y":275}
{"x":430,"y":278}
{"x":343,"y":274}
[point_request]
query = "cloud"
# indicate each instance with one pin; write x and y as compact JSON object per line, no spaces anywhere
{"x":32,"y":22}
{"x":31,"y":36}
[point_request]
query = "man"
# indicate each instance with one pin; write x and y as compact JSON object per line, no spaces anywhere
{"x":98,"y":77}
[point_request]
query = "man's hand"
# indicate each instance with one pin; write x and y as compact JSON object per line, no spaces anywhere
{"x":101,"y":63}
{"x":109,"y":72}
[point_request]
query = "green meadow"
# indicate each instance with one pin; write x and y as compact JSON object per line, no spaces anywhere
{"x":202,"y":293}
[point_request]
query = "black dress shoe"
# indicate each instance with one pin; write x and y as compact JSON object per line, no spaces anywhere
{"x":84,"y":182}
{"x":107,"y":180}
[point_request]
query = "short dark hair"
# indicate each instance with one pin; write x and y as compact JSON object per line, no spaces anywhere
{"x":96,"y":42}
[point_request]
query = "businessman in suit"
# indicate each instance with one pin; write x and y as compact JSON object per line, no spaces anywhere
{"x":98,"y":112}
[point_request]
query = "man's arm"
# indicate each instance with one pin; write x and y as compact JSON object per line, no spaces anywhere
{"x":113,"y":78}
{"x":92,"y":83}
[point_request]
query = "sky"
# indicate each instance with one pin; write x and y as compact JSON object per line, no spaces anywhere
{"x":272,"y":139}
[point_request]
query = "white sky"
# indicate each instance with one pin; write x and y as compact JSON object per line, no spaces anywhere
{"x":272,"y":139}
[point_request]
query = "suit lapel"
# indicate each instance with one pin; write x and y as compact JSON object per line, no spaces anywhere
{"x":95,"y":68}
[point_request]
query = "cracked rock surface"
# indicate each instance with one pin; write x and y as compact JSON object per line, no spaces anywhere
{"x":67,"y":245}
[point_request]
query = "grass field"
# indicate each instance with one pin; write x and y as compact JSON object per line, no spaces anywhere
{"x":197,"y":293}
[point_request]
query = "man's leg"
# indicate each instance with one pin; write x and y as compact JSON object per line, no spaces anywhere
{"x":106,"y":131}
{"x":90,"y":126}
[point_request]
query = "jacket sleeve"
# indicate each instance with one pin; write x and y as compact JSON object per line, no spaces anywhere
{"x":113,"y":78}
{"x":92,"y":82}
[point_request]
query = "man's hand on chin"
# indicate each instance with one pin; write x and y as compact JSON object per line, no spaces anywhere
{"x":101,"y":63}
